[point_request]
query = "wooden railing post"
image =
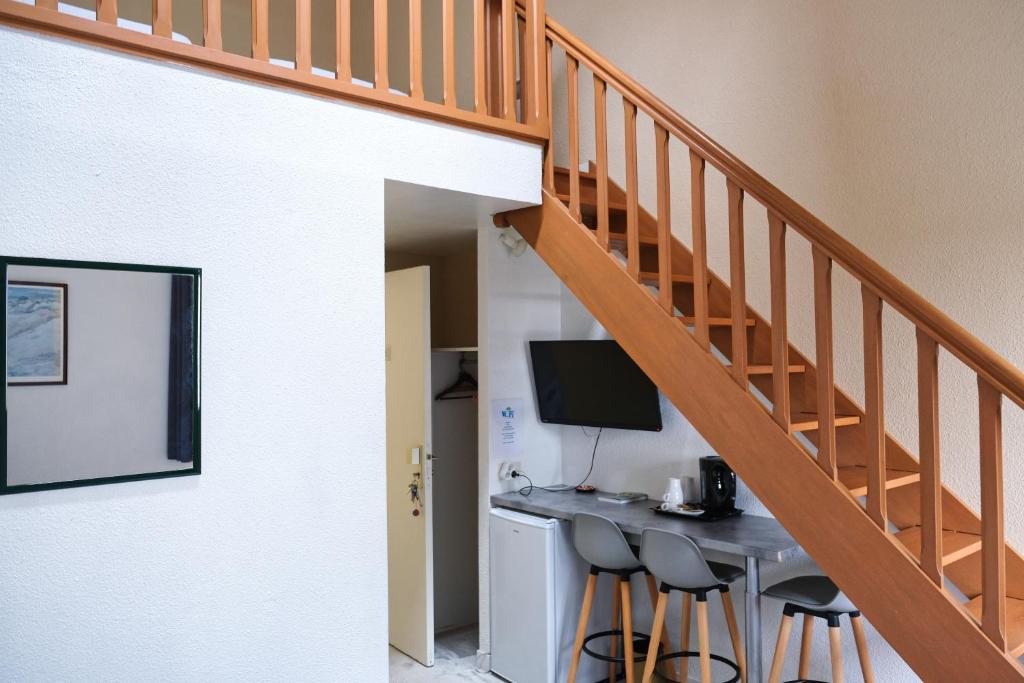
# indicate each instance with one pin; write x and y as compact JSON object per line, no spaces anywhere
{"x":448,"y":52}
{"x":380,"y":45}
{"x":573,"y":109}
{"x":780,"y":341}
{"x":479,"y":57}
{"x":738,"y":284}
{"x":536,"y":74}
{"x":700,"y":252}
{"x":343,"y":40}
{"x":931,"y":469}
{"x":508,"y":59}
{"x":162,"y":18}
{"x":826,"y":376}
{"x":261,"y":30}
{"x":211,"y":21}
{"x":492,"y":12}
{"x":993,"y":544}
{"x":416,"y":49}
{"x":632,"y":192}
{"x":601,"y":165}
{"x":303,"y":35}
{"x":661,"y":139}
{"x":874,"y":406}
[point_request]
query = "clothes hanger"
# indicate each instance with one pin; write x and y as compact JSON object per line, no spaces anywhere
{"x":465,"y":385}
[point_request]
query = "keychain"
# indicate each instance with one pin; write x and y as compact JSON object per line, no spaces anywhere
{"x":414,"y":494}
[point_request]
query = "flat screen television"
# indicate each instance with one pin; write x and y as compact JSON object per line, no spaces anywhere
{"x":593,"y":384}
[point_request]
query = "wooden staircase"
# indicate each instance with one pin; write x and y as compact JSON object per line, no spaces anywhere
{"x":933,"y":576}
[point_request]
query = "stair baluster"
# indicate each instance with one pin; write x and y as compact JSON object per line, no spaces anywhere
{"x":824,"y":361}
{"x":874,"y":402}
{"x":780,"y":344}
{"x":303,"y":35}
{"x":632,"y":193}
{"x":931,"y":470}
{"x":572,"y":81}
{"x":106,"y":10}
{"x":343,"y":40}
{"x":261,"y":30}
{"x":664,"y":219}
{"x":601,"y":151}
{"x":993,"y":549}
{"x":380,"y":45}
{"x":737,"y":282}
{"x":700,"y":251}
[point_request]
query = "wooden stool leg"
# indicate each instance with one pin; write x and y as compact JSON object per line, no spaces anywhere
{"x":805,"y":647}
{"x":780,"y":648}
{"x":616,"y":622}
{"x":657,"y":629}
{"x":734,"y":634}
{"x":684,"y":637}
{"x":862,"y":648}
{"x":581,"y":627}
{"x":836,"y":650}
{"x":667,"y":667}
{"x":704,"y":639}
{"x":627,"y":632}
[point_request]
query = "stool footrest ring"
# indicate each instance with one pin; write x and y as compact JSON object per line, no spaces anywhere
{"x":641,"y":641}
{"x":714,"y":658}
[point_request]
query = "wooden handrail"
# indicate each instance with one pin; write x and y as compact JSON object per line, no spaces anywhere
{"x":999,"y":372}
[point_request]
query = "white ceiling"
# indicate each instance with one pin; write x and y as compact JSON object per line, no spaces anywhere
{"x":426,"y":220}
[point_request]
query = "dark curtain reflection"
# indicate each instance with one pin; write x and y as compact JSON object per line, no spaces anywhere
{"x":180,"y":423}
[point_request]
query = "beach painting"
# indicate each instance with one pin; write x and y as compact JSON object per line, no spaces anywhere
{"x":37,"y":333}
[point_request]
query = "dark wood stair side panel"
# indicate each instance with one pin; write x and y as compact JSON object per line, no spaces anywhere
{"x":911,"y":612}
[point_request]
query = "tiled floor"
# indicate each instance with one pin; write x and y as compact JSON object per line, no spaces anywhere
{"x":454,"y":661}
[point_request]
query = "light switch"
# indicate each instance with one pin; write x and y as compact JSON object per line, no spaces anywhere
{"x":414,"y":456}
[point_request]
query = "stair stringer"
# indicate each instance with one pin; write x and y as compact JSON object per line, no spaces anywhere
{"x":921,"y":621}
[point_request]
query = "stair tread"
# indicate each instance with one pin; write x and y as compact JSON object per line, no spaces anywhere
{"x":1014,"y":622}
{"x":585,"y":204}
{"x":562,"y":170}
{"x":614,"y":236}
{"x":855,"y":478}
{"x":713,"y":321}
{"x":768,"y":369}
{"x":654,"y":276}
{"x":956,"y":545}
{"x":802,"y":421}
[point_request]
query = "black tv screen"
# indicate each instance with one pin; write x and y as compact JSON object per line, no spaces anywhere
{"x":593,"y":384}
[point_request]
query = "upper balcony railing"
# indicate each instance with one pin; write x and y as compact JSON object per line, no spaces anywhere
{"x":507,"y":66}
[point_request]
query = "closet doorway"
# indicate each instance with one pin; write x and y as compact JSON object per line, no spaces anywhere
{"x":433,"y":541}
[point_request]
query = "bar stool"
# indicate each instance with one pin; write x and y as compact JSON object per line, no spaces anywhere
{"x":679,"y":565}
{"x":601,"y":543}
{"x":816,"y":597}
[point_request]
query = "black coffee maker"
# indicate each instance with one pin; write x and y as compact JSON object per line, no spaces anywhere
{"x":717,"y":487}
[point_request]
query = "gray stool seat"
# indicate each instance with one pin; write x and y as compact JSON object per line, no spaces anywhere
{"x":602,"y":544}
{"x":816,"y":593}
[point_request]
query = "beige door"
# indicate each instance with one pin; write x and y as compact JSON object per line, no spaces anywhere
{"x":410,"y":533}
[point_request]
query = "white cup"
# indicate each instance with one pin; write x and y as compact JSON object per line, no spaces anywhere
{"x":673,"y":497}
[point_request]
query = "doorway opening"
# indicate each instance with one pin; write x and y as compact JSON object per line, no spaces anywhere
{"x":432,"y":432}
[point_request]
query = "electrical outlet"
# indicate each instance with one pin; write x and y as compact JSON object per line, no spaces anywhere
{"x":506,"y":469}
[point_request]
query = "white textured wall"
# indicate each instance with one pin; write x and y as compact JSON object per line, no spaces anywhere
{"x":268,"y":566}
{"x":519,"y":300}
{"x":900,"y":125}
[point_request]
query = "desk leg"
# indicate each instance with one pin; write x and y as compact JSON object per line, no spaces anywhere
{"x":753,"y":621}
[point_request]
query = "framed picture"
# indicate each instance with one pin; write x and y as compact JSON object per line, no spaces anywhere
{"x":37,"y":333}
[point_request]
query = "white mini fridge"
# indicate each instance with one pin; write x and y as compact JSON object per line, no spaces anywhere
{"x":536,"y":588}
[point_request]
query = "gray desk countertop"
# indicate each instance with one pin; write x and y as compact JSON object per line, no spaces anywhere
{"x":747,"y":535}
